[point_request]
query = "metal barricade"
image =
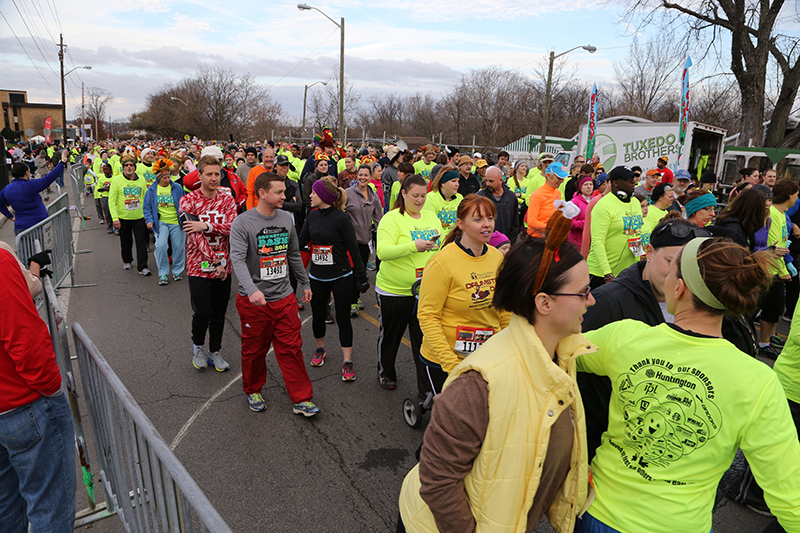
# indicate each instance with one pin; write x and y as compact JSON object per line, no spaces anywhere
{"x":54,"y":233}
{"x":57,"y":204}
{"x":76,"y":173}
{"x":145,"y":483}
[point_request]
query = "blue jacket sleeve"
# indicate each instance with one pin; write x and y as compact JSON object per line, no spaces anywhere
{"x":41,"y":184}
{"x":3,"y":203}
{"x":150,"y":215}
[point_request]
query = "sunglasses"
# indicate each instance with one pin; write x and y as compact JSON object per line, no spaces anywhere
{"x":681,"y":231}
{"x":128,"y":165}
{"x":584,"y":295}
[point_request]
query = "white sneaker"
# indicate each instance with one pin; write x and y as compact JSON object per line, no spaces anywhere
{"x":126,"y":266}
{"x":145,"y":272}
{"x":199,"y":359}
{"x":215,"y":359}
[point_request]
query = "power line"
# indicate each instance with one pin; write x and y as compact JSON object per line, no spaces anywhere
{"x":41,"y":17}
{"x":301,"y":61}
{"x":26,"y":53}
{"x":33,"y":38}
{"x":54,"y":11}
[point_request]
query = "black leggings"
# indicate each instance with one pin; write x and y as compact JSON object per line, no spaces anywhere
{"x":210,"y":303}
{"x":321,"y":293}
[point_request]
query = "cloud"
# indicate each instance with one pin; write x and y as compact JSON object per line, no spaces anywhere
{"x":502,"y":10}
{"x":185,"y":24}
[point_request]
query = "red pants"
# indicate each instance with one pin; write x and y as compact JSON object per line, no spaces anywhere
{"x":277,"y":324}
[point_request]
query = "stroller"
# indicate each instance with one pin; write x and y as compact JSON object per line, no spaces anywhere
{"x":413,"y":409}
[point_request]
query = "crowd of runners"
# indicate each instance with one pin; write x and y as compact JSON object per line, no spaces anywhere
{"x":562,"y":316}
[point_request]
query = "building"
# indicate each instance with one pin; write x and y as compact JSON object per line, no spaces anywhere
{"x":26,"y":119}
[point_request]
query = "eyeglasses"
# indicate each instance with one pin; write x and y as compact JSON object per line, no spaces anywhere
{"x":128,"y":165}
{"x":681,"y":231}
{"x":584,"y":295}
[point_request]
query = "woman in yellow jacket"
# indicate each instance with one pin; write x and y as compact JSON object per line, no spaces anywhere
{"x":455,"y":300}
{"x":506,"y":441}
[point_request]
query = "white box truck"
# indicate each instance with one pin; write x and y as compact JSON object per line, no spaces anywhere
{"x":632,"y":141}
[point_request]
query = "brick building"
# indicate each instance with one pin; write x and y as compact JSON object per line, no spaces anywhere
{"x":20,"y":115}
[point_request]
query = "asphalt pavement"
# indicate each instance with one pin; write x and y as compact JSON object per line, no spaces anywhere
{"x":271,"y":471}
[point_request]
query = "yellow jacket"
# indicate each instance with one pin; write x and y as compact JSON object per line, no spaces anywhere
{"x":527,"y":393}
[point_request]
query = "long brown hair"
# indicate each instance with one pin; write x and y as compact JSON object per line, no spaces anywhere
{"x":332,"y":185}
{"x":436,"y":184}
{"x":410,"y":181}
{"x":471,"y":204}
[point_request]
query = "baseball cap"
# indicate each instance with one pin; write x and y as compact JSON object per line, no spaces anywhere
{"x":683,"y":175}
{"x":558,"y":169}
{"x":653,"y":172}
{"x":621,"y":173}
{"x":544,"y":156}
{"x":283,"y":160}
{"x":480,"y":163}
{"x":664,"y":158}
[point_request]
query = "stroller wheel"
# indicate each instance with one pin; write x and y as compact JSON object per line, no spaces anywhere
{"x":412,"y":413}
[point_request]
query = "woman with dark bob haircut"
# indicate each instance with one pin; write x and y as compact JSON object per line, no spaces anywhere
{"x":506,"y":443}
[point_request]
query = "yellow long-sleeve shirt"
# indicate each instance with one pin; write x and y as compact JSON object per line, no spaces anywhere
{"x":456,"y":297}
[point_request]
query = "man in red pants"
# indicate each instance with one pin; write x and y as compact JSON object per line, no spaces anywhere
{"x":263,"y":248}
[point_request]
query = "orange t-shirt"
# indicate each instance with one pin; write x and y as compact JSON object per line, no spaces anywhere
{"x":255,"y":172}
{"x":541,"y":207}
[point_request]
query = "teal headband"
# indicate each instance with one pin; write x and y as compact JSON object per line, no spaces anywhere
{"x":690,"y":271}
{"x":704,"y":200}
{"x":449,"y":175}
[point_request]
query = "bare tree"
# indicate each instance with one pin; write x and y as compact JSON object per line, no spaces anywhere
{"x":324,"y":104}
{"x":749,"y":26}
{"x":646,"y":76}
{"x":97,"y":102}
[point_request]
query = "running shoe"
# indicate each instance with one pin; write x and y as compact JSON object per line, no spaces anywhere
{"x":126,"y":266}
{"x":177,"y":277}
{"x":777,"y":341}
{"x":305,"y":409}
{"x":354,"y":310}
{"x":116,"y":232}
{"x":110,"y":231}
{"x":162,"y":280}
{"x":145,"y":272}
{"x":256,"y":402}
{"x":215,"y":359}
{"x":348,"y":374}
{"x":360,"y":304}
{"x":199,"y":358}
{"x":328,"y":318}
{"x":370,"y":266}
{"x":318,"y":359}
{"x":300,"y":306}
{"x":386,"y":383}
{"x":768,"y":352}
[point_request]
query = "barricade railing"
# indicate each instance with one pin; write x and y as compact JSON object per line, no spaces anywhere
{"x":57,"y":204}
{"x":76,"y":173}
{"x":53,"y":233}
{"x":144,"y":482}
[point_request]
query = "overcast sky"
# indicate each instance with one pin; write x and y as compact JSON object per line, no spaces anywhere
{"x":134,"y":47}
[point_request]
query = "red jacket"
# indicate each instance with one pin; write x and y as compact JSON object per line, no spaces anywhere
{"x":229,"y":182}
{"x":28,"y":368}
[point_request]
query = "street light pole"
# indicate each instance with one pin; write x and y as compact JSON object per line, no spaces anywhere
{"x":340,"y":25}
{"x":305,"y":97}
{"x":546,"y":113}
{"x":61,"y":47}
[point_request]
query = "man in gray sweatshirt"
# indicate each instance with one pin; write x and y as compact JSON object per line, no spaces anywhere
{"x":263,"y":247}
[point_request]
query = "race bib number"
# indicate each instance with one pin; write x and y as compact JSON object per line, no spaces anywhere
{"x":418,"y":273}
{"x":226,"y":190}
{"x":132,"y":204}
{"x":469,"y":339}
{"x":322,"y":255}
{"x":635,"y":244}
{"x":205,"y":266}
{"x":273,"y":268}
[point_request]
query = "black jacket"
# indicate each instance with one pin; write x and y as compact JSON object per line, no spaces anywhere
{"x":507,"y":221}
{"x":629,"y":296}
{"x":332,"y":227}
{"x":731,"y":227}
{"x":468,"y":185}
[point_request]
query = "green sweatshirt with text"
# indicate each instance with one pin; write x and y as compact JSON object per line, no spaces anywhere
{"x":614,"y":225}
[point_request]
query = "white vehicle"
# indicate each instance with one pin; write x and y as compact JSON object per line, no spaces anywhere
{"x":633,"y":141}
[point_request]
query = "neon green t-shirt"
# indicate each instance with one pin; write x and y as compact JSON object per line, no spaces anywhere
{"x":778,"y":236}
{"x":445,"y":210}
{"x":167,"y":212}
{"x":787,"y":366}
{"x":681,"y":406}
{"x":401,"y":263}
{"x":616,"y":230}
{"x":393,"y":194}
{"x":654,"y":216}
{"x":424,"y":170}
{"x":126,"y":198}
{"x":146,"y":171}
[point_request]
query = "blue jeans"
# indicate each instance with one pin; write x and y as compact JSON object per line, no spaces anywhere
{"x":590,"y":524}
{"x":175,"y":234}
{"x":37,"y":467}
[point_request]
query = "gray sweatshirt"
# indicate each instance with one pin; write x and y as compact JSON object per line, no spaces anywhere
{"x":262,"y":251}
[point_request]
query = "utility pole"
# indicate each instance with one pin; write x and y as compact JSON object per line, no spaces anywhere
{"x":83,"y":116}
{"x":63,"y":96}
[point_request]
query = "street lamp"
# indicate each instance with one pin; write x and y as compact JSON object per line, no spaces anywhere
{"x":63,"y":95}
{"x":306,"y":7}
{"x":305,"y":95}
{"x":179,"y":100}
{"x":546,"y":115}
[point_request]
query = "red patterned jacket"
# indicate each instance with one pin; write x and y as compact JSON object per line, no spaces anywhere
{"x":208,"y":246}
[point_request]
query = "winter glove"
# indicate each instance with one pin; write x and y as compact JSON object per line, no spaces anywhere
{"x":791,"y":268}
{"x":45,"y":272}
{"x":42,"y":258}
{"x":363,"y":286}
